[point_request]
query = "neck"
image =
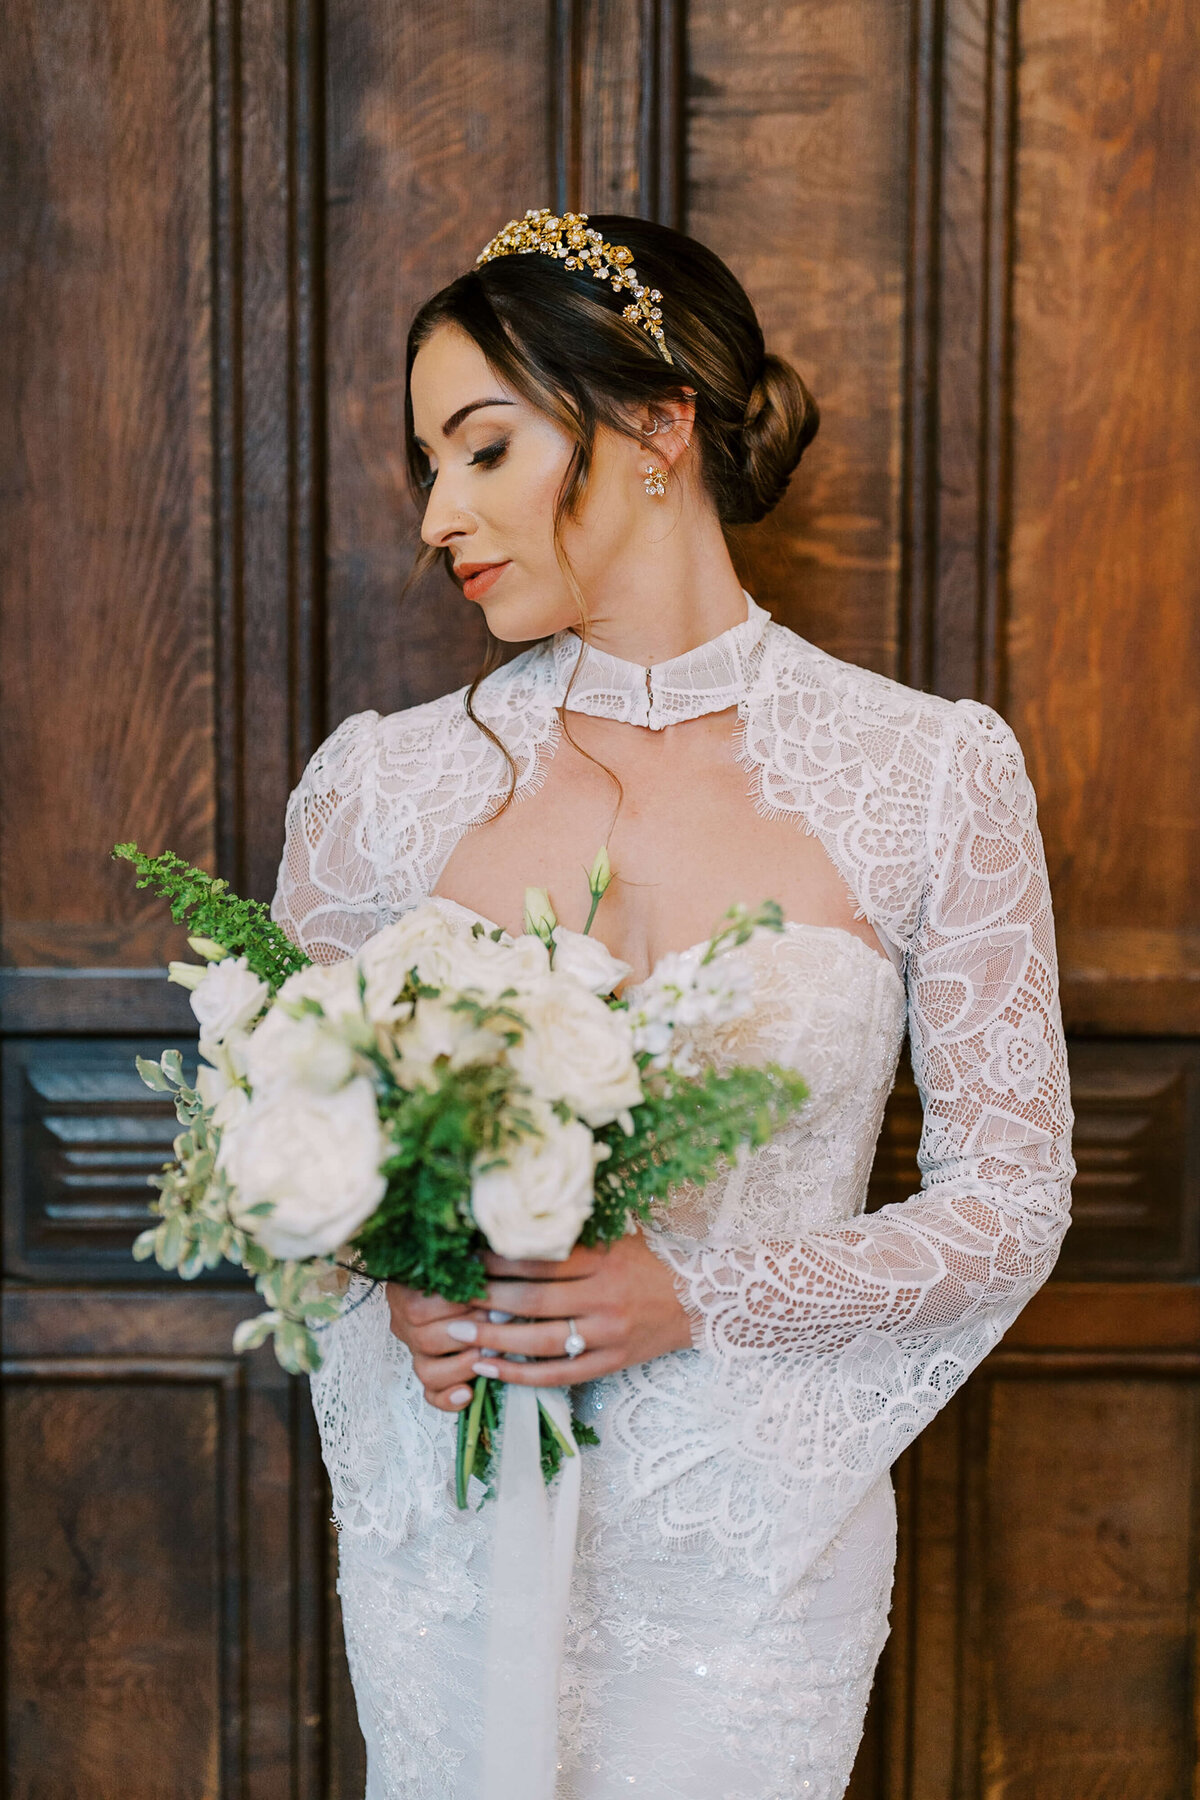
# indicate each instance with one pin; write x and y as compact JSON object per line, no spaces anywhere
{"x":663,"y":598}
{"x":708,"y":678}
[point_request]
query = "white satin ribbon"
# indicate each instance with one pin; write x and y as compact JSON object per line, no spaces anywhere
{"x":533,"y":1550}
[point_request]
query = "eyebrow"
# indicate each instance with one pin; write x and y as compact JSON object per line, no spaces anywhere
{"x":455,"y":420}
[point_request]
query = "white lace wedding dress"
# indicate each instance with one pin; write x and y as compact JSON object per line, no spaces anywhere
{"x":737,"y":1529}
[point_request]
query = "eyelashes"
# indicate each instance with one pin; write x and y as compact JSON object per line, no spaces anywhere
{"x":487,"y":458}
{"x":490,"y":455}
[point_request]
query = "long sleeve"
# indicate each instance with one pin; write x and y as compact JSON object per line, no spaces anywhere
{"x":328,"y":888}
{"x":901,"y":1304}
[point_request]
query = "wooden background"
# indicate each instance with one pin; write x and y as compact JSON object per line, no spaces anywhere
{"x":973,"y":225}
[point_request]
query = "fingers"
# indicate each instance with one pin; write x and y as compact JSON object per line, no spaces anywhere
{"x":446,"y":1337}
{"x":539,"y":1299}
{"x":564,"y":1371}
{"x":447,"y":1379}
{"x":582,"y":1261}
{"x":543,"y":1340}
{"x":413,"y":1313}
{"x":423,"y":1309}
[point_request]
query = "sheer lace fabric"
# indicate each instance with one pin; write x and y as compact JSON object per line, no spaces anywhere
{"x":823,"y":1340}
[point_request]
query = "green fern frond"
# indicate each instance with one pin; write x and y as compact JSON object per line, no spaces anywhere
{"x":205,"y":904}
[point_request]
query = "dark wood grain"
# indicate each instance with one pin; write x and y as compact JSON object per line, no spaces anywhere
{"x":1104,"y":635}
{"x":106,"y":650}
{"x":972,"y":227}
{"x":797,"y":125}
{"x":117,"y":1671}
{"x":437,"y":133}
{"x":166,"y":1559}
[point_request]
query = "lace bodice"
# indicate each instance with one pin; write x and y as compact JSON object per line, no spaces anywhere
{"x":823,"y":1339}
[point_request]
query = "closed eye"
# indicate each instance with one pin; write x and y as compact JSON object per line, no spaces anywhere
{"x":490,"y":454}
{"x":487,"y":458}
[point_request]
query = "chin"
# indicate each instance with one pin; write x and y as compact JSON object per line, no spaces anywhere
{"x":523,"y":622}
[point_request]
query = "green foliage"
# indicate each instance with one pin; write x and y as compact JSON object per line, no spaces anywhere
{"x":683,"y":1128}
{"x":195,"y":1231}
{"x":423,"y":1233}
{"x":741,"y":921}
{"x":479,"y":1438}
{"x":204,"y":903}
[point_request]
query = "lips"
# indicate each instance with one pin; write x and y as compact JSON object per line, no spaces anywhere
{"x":477,"y":578}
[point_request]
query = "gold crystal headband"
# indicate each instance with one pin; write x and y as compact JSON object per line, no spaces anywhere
{"x":568,"y":238}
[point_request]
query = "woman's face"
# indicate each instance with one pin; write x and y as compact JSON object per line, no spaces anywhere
{"x":497,"y":471}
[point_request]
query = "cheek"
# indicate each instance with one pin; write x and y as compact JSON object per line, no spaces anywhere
{"x":516,"y":502}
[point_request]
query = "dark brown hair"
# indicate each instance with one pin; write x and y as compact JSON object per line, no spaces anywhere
{"x":557,"y":337}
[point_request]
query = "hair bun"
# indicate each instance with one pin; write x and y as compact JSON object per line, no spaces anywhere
{"x":780,"y":423}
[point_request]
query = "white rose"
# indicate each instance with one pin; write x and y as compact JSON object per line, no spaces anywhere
{"x":316,"y":1158}
{"x":576,"y":1049}
{"x":434,"y":1031}
{"x":421,"y":939}
{"x":224,"y":1096}
{"x":490,"y":964}
{"x":535,"y":1204}
{"x":229,"y":1056}
{"x":307,"y":1052}
{"x":587,"y":961}
{"x":227,"y":997}
{"x":211,"y":1084}
{"x":335,"y":987}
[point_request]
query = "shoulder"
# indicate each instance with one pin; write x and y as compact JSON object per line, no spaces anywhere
{"x":886,"y":716}
{"x":369,"y":738}
{"x":399,"y":757}
{"x":856,"y":695}
{"x":888,"y":774}
{"x":417,"y":731}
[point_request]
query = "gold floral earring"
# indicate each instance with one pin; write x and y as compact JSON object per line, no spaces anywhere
{"x":656,"y":479}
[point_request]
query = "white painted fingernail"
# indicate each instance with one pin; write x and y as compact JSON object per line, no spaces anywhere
{"x":463,"y":1330}
{"x":486,"y":1369}
{"x":460,"y":1396}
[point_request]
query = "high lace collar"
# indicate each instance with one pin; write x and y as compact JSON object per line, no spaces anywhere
{"x":705,"y":679}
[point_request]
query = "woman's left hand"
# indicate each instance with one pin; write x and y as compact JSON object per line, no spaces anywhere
{"x":621,"y":1296}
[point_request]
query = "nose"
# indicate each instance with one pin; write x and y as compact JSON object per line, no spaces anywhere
{"x":444,"y":520}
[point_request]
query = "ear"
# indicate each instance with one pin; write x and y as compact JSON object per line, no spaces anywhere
{"x":665,"y":427}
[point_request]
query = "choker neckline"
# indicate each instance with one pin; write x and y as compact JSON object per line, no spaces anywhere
{"x":708,"y":678}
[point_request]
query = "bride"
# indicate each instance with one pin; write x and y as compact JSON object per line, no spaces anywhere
{"x":589,"y":408}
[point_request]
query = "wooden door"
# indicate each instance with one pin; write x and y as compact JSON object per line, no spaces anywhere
{"x":973,"y":229}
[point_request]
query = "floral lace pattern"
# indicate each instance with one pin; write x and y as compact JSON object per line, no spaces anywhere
{"x":735,"y":1515}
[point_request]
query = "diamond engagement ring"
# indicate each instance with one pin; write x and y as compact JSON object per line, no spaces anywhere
{"x":576,"y":1343}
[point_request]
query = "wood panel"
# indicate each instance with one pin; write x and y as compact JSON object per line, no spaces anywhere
{"x":1087,"y":1607}
{"x":1103,"y":632}
{"x":971,"y":227}
{"x":128,"y":1690}
{"x":412,"y":183}
{"x":82,"y":1134}
{"x":165,"y":1555}
{"x":1136,"y":1198}
{"x":797,"y":119}
{"x":107,"y":498}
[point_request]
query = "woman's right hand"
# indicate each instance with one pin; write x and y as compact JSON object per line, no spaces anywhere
{"x":443,"y":1362}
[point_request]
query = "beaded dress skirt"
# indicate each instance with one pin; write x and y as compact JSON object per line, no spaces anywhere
{"x":700,"y":1665}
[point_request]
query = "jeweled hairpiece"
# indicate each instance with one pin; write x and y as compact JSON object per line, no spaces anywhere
{"x":568,"y":238}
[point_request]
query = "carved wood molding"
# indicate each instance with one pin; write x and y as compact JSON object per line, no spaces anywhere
{"x":625,"y":152}
{"x":267,"y":333}
{"x":955,"y":497}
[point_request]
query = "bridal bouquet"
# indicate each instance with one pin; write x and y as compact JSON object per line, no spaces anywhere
{"x":437,"y":1093}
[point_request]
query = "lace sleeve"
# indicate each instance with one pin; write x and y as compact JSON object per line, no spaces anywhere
{"x":327,"y":891}
{"x":915,"y":1294}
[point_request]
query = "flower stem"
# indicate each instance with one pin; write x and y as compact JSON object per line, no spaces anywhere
{"x":468,"y":1440}
{"x":566,"y":1445}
